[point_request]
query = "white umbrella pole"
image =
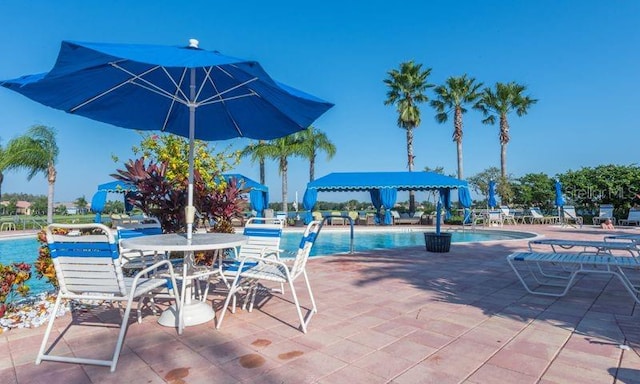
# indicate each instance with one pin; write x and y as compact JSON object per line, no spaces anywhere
{"x":190,"y":209}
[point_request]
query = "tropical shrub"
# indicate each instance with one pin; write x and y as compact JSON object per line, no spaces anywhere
{"x":44,"y":265}
{"x":157,"y":196}
{"x":12,"y":282}
{"x":162,"y":182}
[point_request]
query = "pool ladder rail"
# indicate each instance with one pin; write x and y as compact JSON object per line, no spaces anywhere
{"x":351,"y":224}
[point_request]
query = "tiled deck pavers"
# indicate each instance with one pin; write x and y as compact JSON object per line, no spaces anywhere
{"x":396,"y":316}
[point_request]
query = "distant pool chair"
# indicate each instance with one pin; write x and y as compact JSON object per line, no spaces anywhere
{"x":507,"y":216}
{"x":538,"y":217}
{"x":606,"y":212}
{"x":367,"y":219}
{"x":494,"y":217}
{"x":569,"y":215}
{"x":633,"y":217}
{"x":336,"y":218}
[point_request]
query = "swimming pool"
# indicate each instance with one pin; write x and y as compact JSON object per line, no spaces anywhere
{"x":329,"y":242}
{"x":332,"y":242}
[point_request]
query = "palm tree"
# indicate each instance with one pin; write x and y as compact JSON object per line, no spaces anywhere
{"x":254,"y":151}
{"x":37,"y":152}
{"x":2,"y":168}
{"x":453,"y":96}
{"x":407,"y":87}
{"x":281,"y":149}
{"x":81,"y":204}
{"x":505,"y":99}
{"x":313,"y":140}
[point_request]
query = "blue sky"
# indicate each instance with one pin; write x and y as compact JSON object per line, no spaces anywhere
{"x":579,"y":58}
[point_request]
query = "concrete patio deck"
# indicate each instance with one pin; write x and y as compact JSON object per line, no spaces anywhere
{"x":397,"y":316}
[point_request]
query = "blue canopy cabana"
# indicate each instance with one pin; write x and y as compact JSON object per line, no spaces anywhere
{"x":99,"y":199}
{"x":259,"y":194}
{"x":383,"y":187}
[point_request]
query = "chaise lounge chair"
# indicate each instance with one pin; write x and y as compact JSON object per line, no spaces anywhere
{"x":366,"y":219}
{"x":633,"y":218}
{"x":336,"y":218}
{"x":528,"y":269}
{"x":600,"y":247}
{"x":569,"y":215}
{"x":537,"y":216}
{"x":405,"y":218}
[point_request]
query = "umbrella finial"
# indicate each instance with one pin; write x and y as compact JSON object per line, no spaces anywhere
{"x":193,"y":43}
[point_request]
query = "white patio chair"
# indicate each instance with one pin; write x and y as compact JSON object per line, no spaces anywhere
{"x":606,"y":212}
{"x":507,"y":216}
{"x":270,"y":268}
{"x":87,"y":264}
{"x":138,"y":259}
{"x":264,"y":234}
{"x":494,"y":218}
{"x":479,"y":217}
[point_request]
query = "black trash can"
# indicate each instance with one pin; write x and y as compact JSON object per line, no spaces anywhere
{"x":437,"y":242}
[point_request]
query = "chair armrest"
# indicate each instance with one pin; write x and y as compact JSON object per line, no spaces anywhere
{"x":263,"y":260}
{"x":153,"y":267}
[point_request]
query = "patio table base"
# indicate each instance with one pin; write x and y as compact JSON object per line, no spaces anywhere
{"x":195,"y":313}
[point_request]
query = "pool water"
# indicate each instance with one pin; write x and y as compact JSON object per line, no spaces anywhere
{"x":328,"y":243}
{"x":333,"y":242}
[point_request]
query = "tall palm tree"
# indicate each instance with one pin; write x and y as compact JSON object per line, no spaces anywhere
{"x":255,"y":152}
{"x":81,"y":204}
{"x":452,"y":97}
{"x":407,"y":87}
{"x":281,"y":149}
{"x":37,"y":152}
{"x":505,"y":99}
{"x":2,"y":168}
{"x":312,"y":141}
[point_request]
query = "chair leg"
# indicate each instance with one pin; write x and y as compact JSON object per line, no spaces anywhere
{"x":234,"y":303}
{"x":313,"y":301}
{"x":47,"y":333}
{"x":303,"y":324}
{"x":230,"y":295}
{"x":109,"y":363}
{"x":251,"y":297}
{"x":121,"y":334}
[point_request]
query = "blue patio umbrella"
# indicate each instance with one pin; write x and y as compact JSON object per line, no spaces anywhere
{"x":492,"y":194}
{"x":559,"y":197}
{"x":187,"y":91}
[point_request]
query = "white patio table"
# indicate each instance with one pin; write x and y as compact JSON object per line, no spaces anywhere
{"x":195,"y":311}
